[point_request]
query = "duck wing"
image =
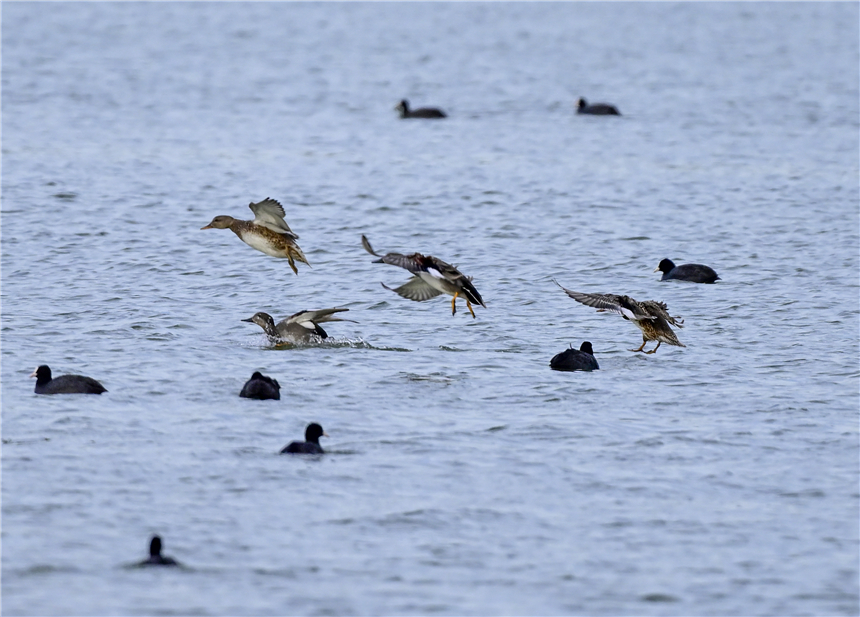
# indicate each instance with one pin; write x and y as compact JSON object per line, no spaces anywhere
{"x":659,"y":310}
{"x":622,"y":305}
{"x":308,"y":319}
{"x":270,"y":214}
{"x":366,"y":244}
{"x":415,"y":289}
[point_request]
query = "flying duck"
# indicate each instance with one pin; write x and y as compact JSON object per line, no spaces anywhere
{"x":431,"y":277}
{"x":649,"y":316}
{"x":268,"y":232}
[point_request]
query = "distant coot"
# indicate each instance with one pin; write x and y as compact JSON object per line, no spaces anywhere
{"x":581,"y":359}
{"x":261,"y":387}
{"x":421,"y":112}
{"x":597,"y":109}
{"x":311,"y":444}
{"x":64,"y":384}
{"x":155,"y":556}
{"x":694,"y":273}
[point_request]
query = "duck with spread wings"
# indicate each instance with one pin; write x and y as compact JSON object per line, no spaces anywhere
{"x":431,"y":277}
{"x":650,"y":316}
{"x":268,"y":232}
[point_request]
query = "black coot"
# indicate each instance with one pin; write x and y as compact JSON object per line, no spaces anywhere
{"x":64,"y":384}
{"x":261,"y":387}
{"x":581,"y":359}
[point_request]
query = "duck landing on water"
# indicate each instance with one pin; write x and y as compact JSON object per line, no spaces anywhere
{"x":650,"y":316}
{"x":301,"y":328}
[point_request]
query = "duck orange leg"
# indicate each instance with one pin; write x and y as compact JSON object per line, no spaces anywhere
{"x":655,"y":349}
{"x":469,"y":306}
{"x":641,"y":347}
{"x":453,"y":301}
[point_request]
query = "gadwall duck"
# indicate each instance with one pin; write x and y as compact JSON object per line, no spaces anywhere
{"x":268,"y":232}
{"x":311,"y":444}
{"x":64,"y":384}
{"x":597,"y":109}
{"x":261,"y":387}
{"x":431,"y":277}
{"x":581,"y":359}
{"x":302,"y":327}
{"x":649,"y":316}
{"x":155,"y":556}
{"x":694,"y":273}
{"x":421,"y":112}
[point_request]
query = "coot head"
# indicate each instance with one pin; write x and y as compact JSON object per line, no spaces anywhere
{"x":313,"y":433}
{"x":665,"y":266}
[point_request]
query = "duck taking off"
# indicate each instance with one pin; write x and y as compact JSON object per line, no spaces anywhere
{"x":650,"y":316}
{"x":268,"y":232}
{"x":302,"y":327}
{"x":431,"y":277}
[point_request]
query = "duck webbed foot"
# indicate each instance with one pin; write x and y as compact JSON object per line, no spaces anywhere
{"x":642,"y":346}
{"x":655,"y":349}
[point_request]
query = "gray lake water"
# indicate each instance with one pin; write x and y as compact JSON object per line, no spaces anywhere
{"x":462,"y":475}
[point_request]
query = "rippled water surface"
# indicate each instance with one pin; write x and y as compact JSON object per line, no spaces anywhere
{"x":463,"y":476}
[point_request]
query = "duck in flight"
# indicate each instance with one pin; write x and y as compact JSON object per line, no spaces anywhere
{"x":268,"y":232}
{"x":302,"y":327}
{"x":650,"y":316}
{"x":431,"y":277}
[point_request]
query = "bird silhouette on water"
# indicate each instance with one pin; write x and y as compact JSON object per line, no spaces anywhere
{"x":64,"y":384}
{"x":581,"y":359}
{"x":261,"y":387}
{"x":311,"y":444}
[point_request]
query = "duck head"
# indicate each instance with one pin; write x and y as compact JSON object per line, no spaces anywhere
{"x":220,"y":222}
{"x":265,"y":321}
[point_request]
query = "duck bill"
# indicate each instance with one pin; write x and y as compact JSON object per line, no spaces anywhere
{"x":209,"y":226}
{"x":249,"y":320}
